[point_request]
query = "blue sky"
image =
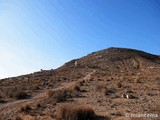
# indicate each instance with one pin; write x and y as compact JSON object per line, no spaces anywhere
{"x":44,"y":34}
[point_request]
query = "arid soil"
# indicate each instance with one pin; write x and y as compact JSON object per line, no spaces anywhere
{"x":113,"y":82}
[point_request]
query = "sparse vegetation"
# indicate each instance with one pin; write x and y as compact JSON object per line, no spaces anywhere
{"x":25,"y":108}
{"x":2,"y":101}
{"x":2,"y":94}
{"x":74,"y":88}
{"x":102,"y":89}
{"x":81,"y":83}
{"x":17,"y":94}
{"x":20,"y":95}
{"x":119,"y":84}
{"x":57,"y":95}
{"x":19,"y":118}
{"x":75,"y":112}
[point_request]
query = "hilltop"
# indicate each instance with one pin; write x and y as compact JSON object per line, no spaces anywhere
{"x":113,"y":82}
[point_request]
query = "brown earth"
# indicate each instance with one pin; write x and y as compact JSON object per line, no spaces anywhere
{"x":114,"y":82}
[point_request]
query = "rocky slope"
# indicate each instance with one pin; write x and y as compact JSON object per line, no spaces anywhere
{"x":114,"y":81}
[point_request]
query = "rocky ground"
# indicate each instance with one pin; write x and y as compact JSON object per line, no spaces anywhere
{"x":113,"y":82}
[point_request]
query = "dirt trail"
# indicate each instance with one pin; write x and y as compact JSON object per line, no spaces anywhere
{"x":89,"y":75}
{"x":65,"y":85}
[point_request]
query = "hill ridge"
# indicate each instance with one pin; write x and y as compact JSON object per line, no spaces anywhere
{"x":113,"y":81}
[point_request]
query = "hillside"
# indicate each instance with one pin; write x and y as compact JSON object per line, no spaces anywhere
{"x":114,"y":81}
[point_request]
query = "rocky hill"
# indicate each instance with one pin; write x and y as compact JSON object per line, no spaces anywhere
{"x":113,"y":82}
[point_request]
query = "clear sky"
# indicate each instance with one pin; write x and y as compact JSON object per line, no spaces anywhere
{"x":44,"y":34}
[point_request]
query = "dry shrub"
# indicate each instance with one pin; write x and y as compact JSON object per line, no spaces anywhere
{"x":57,"y":95}
{"x":25,"y":108}
{"x":35,"y":87}
{"x":81,"y":83}
{"x":38,"y":105}
{"x":75,"y":112}
{"x":19,"y":118}
{"x":18,"y":94}
{"x":2,"y":101}
{"x":102,"y":89}
{"x":2,"y":94}
{"x":73,"y":88}
{"x":119,"y":84}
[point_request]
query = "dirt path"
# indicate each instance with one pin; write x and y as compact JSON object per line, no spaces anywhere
{"x":89,"y":75}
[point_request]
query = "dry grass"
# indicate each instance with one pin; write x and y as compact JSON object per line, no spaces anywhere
{"x":119,"y":84}
{"x":2,"y":101}
{"x":57,"y":95}
{"x":75,"y":112}
{"x":2,"y":94}
{"x":19,"y":118}
{"x":102,"y":89}
{"x":25,"y":108}
{"x":73,"y":88}
{"x":19,"y":95}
